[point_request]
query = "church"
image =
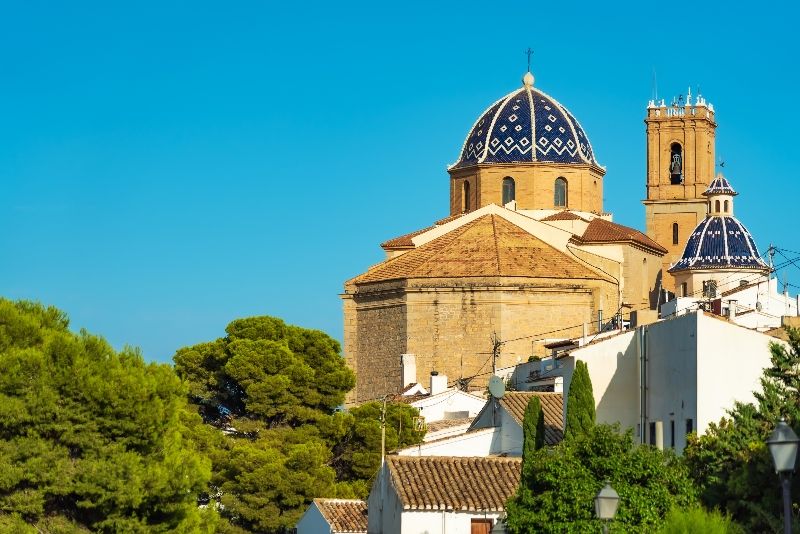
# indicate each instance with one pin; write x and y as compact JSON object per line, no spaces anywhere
{"x":528,"y":257}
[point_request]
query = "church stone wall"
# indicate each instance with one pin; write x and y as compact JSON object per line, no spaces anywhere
{"x":449,"y":325}
{"x":659,"y":219}
{"x":534,"y":186}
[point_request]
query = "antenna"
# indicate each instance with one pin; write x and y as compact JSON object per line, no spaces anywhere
{"x":497,"y":387}
{"x":529,"y":53}
{"x":655,"y":86}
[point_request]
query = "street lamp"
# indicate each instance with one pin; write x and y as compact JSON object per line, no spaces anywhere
{"x":782,"y":445}
{"x":605,"y":505}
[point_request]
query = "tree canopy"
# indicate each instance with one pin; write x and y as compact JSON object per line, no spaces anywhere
{"x":731,"y":464}
{"x":272,"y":393}
{"x":91,"y":438}
{"x":557,"y":492}
{"x":532,"y":431}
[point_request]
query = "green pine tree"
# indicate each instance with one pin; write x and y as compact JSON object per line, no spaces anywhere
{"x":580,"y":403}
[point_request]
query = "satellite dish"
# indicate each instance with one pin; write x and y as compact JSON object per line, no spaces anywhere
{"x":497,"y":388}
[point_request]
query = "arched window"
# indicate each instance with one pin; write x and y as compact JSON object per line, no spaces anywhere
{"x":465,"y":200}
{"x":509,"y":192}
{"x":676,"y":163}
{"x":716,"y":205}
{"x":675,"y":233}
{"x":560,"y":194}
{"x":726,"y":206}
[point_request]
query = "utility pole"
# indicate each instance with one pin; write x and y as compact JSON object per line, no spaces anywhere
{"x":495,"y":351}
{"x":383,"y":429}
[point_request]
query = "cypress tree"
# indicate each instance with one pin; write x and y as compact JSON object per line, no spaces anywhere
{"x":532,"y":430}
{"x":580,"y":403}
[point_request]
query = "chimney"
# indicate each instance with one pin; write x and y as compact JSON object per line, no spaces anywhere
{"x":408,"y":368}
{"x":438,"y":383}
{"x":732,"y":309}
{"x":558,"y":384}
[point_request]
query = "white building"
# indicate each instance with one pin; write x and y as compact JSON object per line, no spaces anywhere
{"x":497,"y":430}
{"x":438,"y":495}
{"x":334,"y":516}
{"x":673,"y":377}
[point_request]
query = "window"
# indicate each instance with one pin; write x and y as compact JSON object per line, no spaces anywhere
{"x":509,"y":192}
{"x":465,"y":197}
{"x":726,"y":206}
{"x":716,"y":206}
{"x":560,"y":195}
{"x":675,"y":233}
{"x":676,"y":164}
{"x":684,"y":290}
{"x":672,"y":433}
{"x":689,"y":426}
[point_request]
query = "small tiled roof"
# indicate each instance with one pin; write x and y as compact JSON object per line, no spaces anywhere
{"x":565,"y":215}
{"x":435,"y":426}
{"x":488,"y":246}
{"x":344,"y":515}
{"x":603,"y":231}
{"x":515,"y":403}
{"x":406,"y":241}
{"x":447,"y":483}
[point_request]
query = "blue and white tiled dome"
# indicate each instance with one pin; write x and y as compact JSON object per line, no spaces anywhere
{"x":720,"y":241}
{"x":525,"y":126}
{"x":720,"y":186}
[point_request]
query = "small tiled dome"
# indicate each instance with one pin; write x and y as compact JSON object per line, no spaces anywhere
{"x":525,"y":126}
{"x":720,"y":186}
{"x":720,"y":243}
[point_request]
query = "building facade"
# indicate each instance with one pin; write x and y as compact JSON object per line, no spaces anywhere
{"x":526,"y":255}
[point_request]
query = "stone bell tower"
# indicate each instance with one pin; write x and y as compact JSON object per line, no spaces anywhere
{"x":680,"y":165}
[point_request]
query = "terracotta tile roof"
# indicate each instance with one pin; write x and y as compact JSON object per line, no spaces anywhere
{"x":487,"y":246}
{"x":344,"y":515}
{"x":405,"y":241}
{"x":603,"y":231}
{"x":435,"y":426}
{"x":565,"y":215}
{"x":515,"y":403}
{"x":445,"y":483}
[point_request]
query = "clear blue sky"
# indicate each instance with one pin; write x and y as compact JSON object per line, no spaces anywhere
{"x":167,"y":167}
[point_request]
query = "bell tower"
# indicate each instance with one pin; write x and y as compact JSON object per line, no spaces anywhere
{"x":680,"y":165}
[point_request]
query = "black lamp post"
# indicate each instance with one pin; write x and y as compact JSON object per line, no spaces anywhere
{"x":783,"y":443}
{"x":605,"y":505}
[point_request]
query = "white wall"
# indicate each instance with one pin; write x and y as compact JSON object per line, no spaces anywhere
{"x":730,"y":363}
{"x":383,"y":506}
{"x":613,"y":368}
{"x":441,"y":522}
{"x":476,"y":443}
{"x":312,"y":522}
{"x":436,"y":407}
{"x":697,"y":366}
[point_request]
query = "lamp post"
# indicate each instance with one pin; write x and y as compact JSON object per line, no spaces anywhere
{"x":783,"y":443}
{"x":605,"y":505}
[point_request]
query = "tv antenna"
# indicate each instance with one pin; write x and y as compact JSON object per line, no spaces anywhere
{"x":497,"y":388}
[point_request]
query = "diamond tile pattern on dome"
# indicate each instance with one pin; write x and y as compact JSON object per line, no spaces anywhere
{"x":509,"y":130}
{"x":720,"y":243}
{"x":445,"y":483}
{"x":510,"y":141}
{"x":475,"y":145}
{"x":487,"y":246}
{"x":720,"y":186}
